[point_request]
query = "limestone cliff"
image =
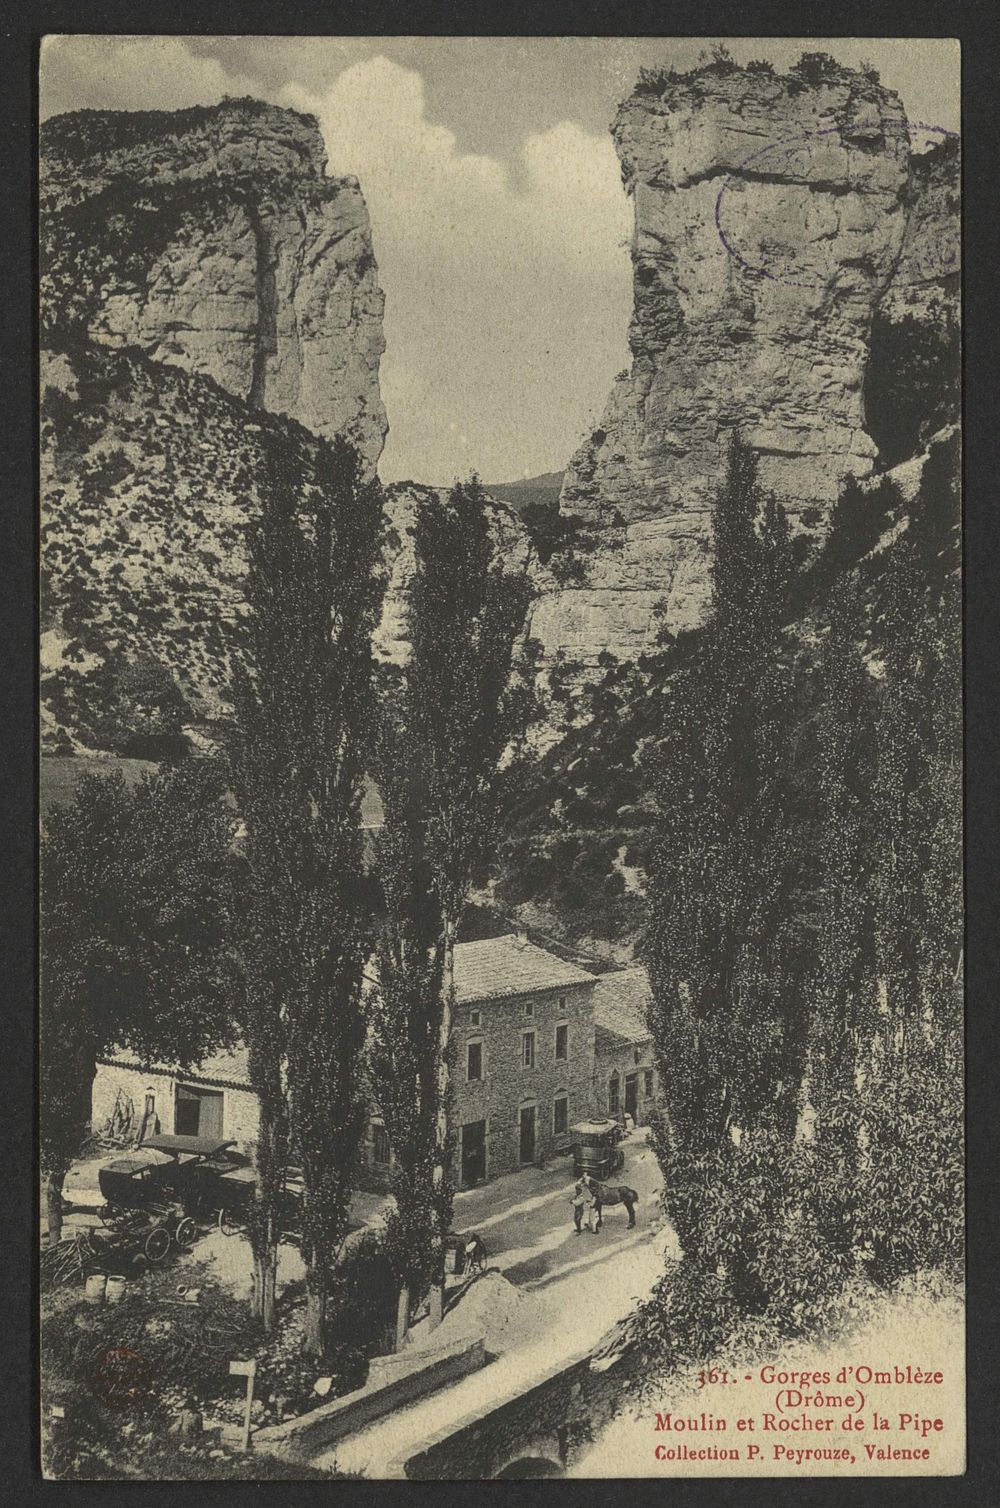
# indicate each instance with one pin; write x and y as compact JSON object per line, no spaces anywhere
{"x":209,"y":299}
{"x":775,"y":219}
{"x":212,"y":239}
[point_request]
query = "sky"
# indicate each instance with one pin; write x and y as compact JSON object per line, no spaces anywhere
{"x":499,"y":221}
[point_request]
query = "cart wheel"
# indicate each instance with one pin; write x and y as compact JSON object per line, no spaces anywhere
{"x":228,"y":1224}
{"x":156,"y":1245}
{"x":186,"y":1233}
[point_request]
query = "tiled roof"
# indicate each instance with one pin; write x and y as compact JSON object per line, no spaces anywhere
{"x":229,"y":1067}
{"x":620,"y":1001}
{"x":498,"y":967}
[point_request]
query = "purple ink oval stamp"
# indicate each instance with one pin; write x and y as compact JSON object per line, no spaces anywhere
{"x":805,"y":162}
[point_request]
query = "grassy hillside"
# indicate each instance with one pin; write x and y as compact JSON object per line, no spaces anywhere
{"x":149,"y":484}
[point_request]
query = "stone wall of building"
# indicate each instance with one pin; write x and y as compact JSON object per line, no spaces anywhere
{"x":624,"y":1060}
{"x":240,"y":1117}
{"x":507,"y":1085}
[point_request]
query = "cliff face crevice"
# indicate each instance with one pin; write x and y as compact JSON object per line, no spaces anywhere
{"x":209,"y":296}
{"x":266,"y":333}
{"x":777,"y":223}
{"x":212,"y":239}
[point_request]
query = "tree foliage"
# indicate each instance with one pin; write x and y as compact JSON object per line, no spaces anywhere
{"x":302,"y":701}
{"x":722,"y":865}
{"x":134,"y":936}
{"x":812,"y":1137}
{"x":450,"y":742}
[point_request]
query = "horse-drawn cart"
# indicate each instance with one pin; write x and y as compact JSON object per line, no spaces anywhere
{"x":595,"y":1148}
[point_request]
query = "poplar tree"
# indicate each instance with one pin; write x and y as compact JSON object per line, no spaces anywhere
{"x":726,"y":1021}
{"x":844,"y":986}
{"x":452,"y":733}
{"x":302,"y":702}
{"x":913,"y":1104}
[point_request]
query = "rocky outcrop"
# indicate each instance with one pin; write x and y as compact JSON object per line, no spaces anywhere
{"x":211,"y":239}
{"x":402,"y":499}
{"x":151,"y":482}
{"x":774,"y":218}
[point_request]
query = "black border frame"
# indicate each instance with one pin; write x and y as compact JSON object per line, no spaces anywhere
{"x":977,"y":26}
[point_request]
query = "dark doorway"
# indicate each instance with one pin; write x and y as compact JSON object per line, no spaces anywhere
{"x":473,"y":1153}
{"x":632,"y":1095}
{"x":528,"y":1134}
{"x":198,"y":1112}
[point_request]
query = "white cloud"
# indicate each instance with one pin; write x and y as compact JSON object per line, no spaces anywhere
{"x":129,"y":73}
{"x":506,"y":305}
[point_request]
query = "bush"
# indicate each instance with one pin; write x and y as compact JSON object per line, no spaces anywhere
{"x":911,"y":1190}
{"x":362,"y":1310}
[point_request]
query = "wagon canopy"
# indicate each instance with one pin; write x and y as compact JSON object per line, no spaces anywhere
{"x":193,"y":1146}
{"x":593,"y":1133}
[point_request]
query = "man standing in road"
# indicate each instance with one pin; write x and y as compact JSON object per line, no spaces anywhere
{"x":583,"y":1199}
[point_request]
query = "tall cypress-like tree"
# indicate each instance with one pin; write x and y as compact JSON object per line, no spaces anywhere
{"x":407,"y":1003}
{"x":844,"y":987}
{"x":913,"y":1110}
{"x":918,"y":787}
{"x":450,"y":737}
{"x":726,"y":1020}
{"x":302,"y":702}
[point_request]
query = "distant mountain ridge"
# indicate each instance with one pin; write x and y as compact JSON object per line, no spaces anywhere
{"x":543,"y":489}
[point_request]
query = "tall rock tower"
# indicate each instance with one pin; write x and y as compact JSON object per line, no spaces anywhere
{"x":772,"y":215}
{"x":212,"y":239}
{"x":209,"y":303}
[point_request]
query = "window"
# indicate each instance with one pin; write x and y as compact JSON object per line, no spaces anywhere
{"x":647,"y":1083}
{"x":528,"y":1049}
{"x":474,"y":1018}
{"x":560,"y":1115}
{"x":474,"y":1062}
{"x":562,"y":1002}
{"x":529,"y":1007}
{"x":380,"y":1144}
{"x":562,"y":1042}
{"x":613,"y":1094}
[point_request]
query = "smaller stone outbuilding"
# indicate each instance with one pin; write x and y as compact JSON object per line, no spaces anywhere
{"x":214,"y":1099}
{"x":625,"y":1077}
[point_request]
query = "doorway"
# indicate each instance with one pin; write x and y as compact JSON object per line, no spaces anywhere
{"x":473,"y":1153}
{"x":198,"y":1112}
{"x":527,"y":1150}
{"x":632,"y":1095}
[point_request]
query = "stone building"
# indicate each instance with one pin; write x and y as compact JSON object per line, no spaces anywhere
{"x":539,"y":1044}
{"x":214,"y":1099}
{"x":625,"y":1078}
{"x":524,"y":1034}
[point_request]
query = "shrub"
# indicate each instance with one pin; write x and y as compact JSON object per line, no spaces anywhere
{"x":817,"y":68}
{"x":757,"y":1255}
{"x":911,"y":1188}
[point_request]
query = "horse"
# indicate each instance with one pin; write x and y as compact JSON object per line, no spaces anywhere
{"x":611,"y":1193}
